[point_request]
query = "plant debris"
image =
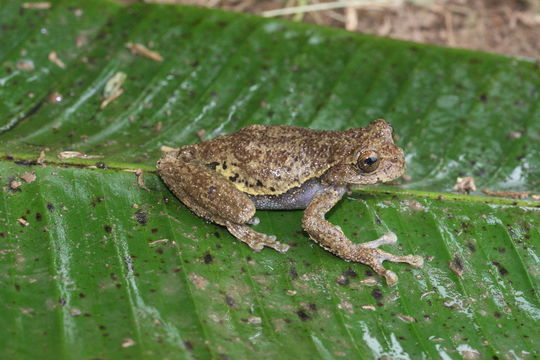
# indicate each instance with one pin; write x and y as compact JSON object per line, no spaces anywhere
{"x":78,"y":155}
{"x":28,"y":177}
{"x":140,"y":180}
{"x":40,"y":5}
{"x":509,"y":194}
{"x":14,"y":184}
{"x":23,"y":221}
{"x":113,"y":88}
{"x":140,"y":49}
{"x":111,"y":98}
{"x":465,"y":185}
{"x":53,"y":57}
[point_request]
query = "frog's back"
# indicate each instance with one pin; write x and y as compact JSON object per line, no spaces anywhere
{"x":267,"y":160}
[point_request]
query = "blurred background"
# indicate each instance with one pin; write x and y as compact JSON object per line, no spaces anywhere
{"x":509,"y":27}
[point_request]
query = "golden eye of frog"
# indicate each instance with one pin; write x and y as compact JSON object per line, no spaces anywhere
{"x":226,"y":179}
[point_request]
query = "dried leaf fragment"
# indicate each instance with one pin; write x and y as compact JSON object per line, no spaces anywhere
{"x":53,"y":57}
{"x":14,"y":184}
{"x":41,"y":158}
{"x":465,"y":185}
{"x":509,"y":194}
{"x":28,"y":177}
{"x":140,"y":49}
{"x":111,"y":98}
{"x":23,"y":221}
{"x":25,"y":65}
{"x":114,"y":83}
{"x":40,"y":5}
{"x":157,"y":242}
{"x":75,"y":154}
{"x":140,"y":180}
{"x":127,"y":342}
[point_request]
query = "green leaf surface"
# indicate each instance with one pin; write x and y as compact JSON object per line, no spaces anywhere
{"x":106,"y":269}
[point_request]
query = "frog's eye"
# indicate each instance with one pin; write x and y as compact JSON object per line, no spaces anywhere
{"x":368,"y":161}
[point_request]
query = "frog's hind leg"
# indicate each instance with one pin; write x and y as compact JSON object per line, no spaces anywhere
{"x":211,"y":196}
{"x":334,"y":240}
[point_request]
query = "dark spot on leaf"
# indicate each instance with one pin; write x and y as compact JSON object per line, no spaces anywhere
{"x":102,"y":327}
{"x":153,"y":290}
{"x":471,"y":246}
{"x":62,"y":301}
{"x":350,"y":273}
{"x":343,"y":280}
{"x":17,"y":287}
{"x":38,"y":216}
{"x":107,"y":228}
{"x":293,"y":273}
{"x":50,"y":207}
{"x":96,"y":201}
{"x":217,"y":234}
{"x":229,"y":301}
{"x":208,"y":259}
{"x":483,"y":98}
{"x":303,"y":315}
{"x":502,"y":269}
{"x":377,"y":294}
{"x":2,"y":234}
{"x":112,"y":276}
{"x":159,"y":251}
{"x":458,"y":262}
{"x":81,"y":295}
{"x":141,"y":217}
{"x":154,"y":230}
{"x":312,"y":307}
{"x":497,"y":314}
{"x":101,"y":165}
{"x":188,"y":345}
{"x":501,"y":250}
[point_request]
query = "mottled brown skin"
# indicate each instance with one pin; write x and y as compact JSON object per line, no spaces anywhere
{"x":226,"y":179}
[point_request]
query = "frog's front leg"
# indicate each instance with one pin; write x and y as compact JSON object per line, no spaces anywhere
{"x":211,"y":196}
{"x":334,"y":240}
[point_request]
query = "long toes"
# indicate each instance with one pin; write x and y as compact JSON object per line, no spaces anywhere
{"x":416,"y":261}
{"x":391,"y":277}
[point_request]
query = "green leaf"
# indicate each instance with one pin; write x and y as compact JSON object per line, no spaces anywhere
{"x":94,"y":266}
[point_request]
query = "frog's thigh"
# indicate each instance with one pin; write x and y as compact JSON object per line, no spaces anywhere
{"x":334,"y":240}
{"x":213,"y":197}
{"x":207,"y":193}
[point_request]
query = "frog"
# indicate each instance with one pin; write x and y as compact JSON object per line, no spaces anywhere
{"x":225,"y":180}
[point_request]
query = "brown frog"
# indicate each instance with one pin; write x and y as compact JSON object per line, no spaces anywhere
{"x":226,"y":179}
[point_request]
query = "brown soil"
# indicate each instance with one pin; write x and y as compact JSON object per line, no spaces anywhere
{"x":509,"y":27}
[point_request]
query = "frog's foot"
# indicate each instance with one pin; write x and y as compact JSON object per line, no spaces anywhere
{"x":254,"y":239}
{"x":368,"y":254}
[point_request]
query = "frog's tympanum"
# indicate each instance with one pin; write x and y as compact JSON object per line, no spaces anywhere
{"x":225,"y":180}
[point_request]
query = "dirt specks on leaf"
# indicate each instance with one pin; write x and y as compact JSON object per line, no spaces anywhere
{"x":141,"y":217}
{"x":199,"y":281}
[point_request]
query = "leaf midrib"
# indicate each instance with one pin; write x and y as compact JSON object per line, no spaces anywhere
{"x":388,"y":190}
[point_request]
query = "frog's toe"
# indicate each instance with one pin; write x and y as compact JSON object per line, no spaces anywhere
{"x":391,"y":277}
{"x":415,"y":260}
{"x":254,"y":239}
